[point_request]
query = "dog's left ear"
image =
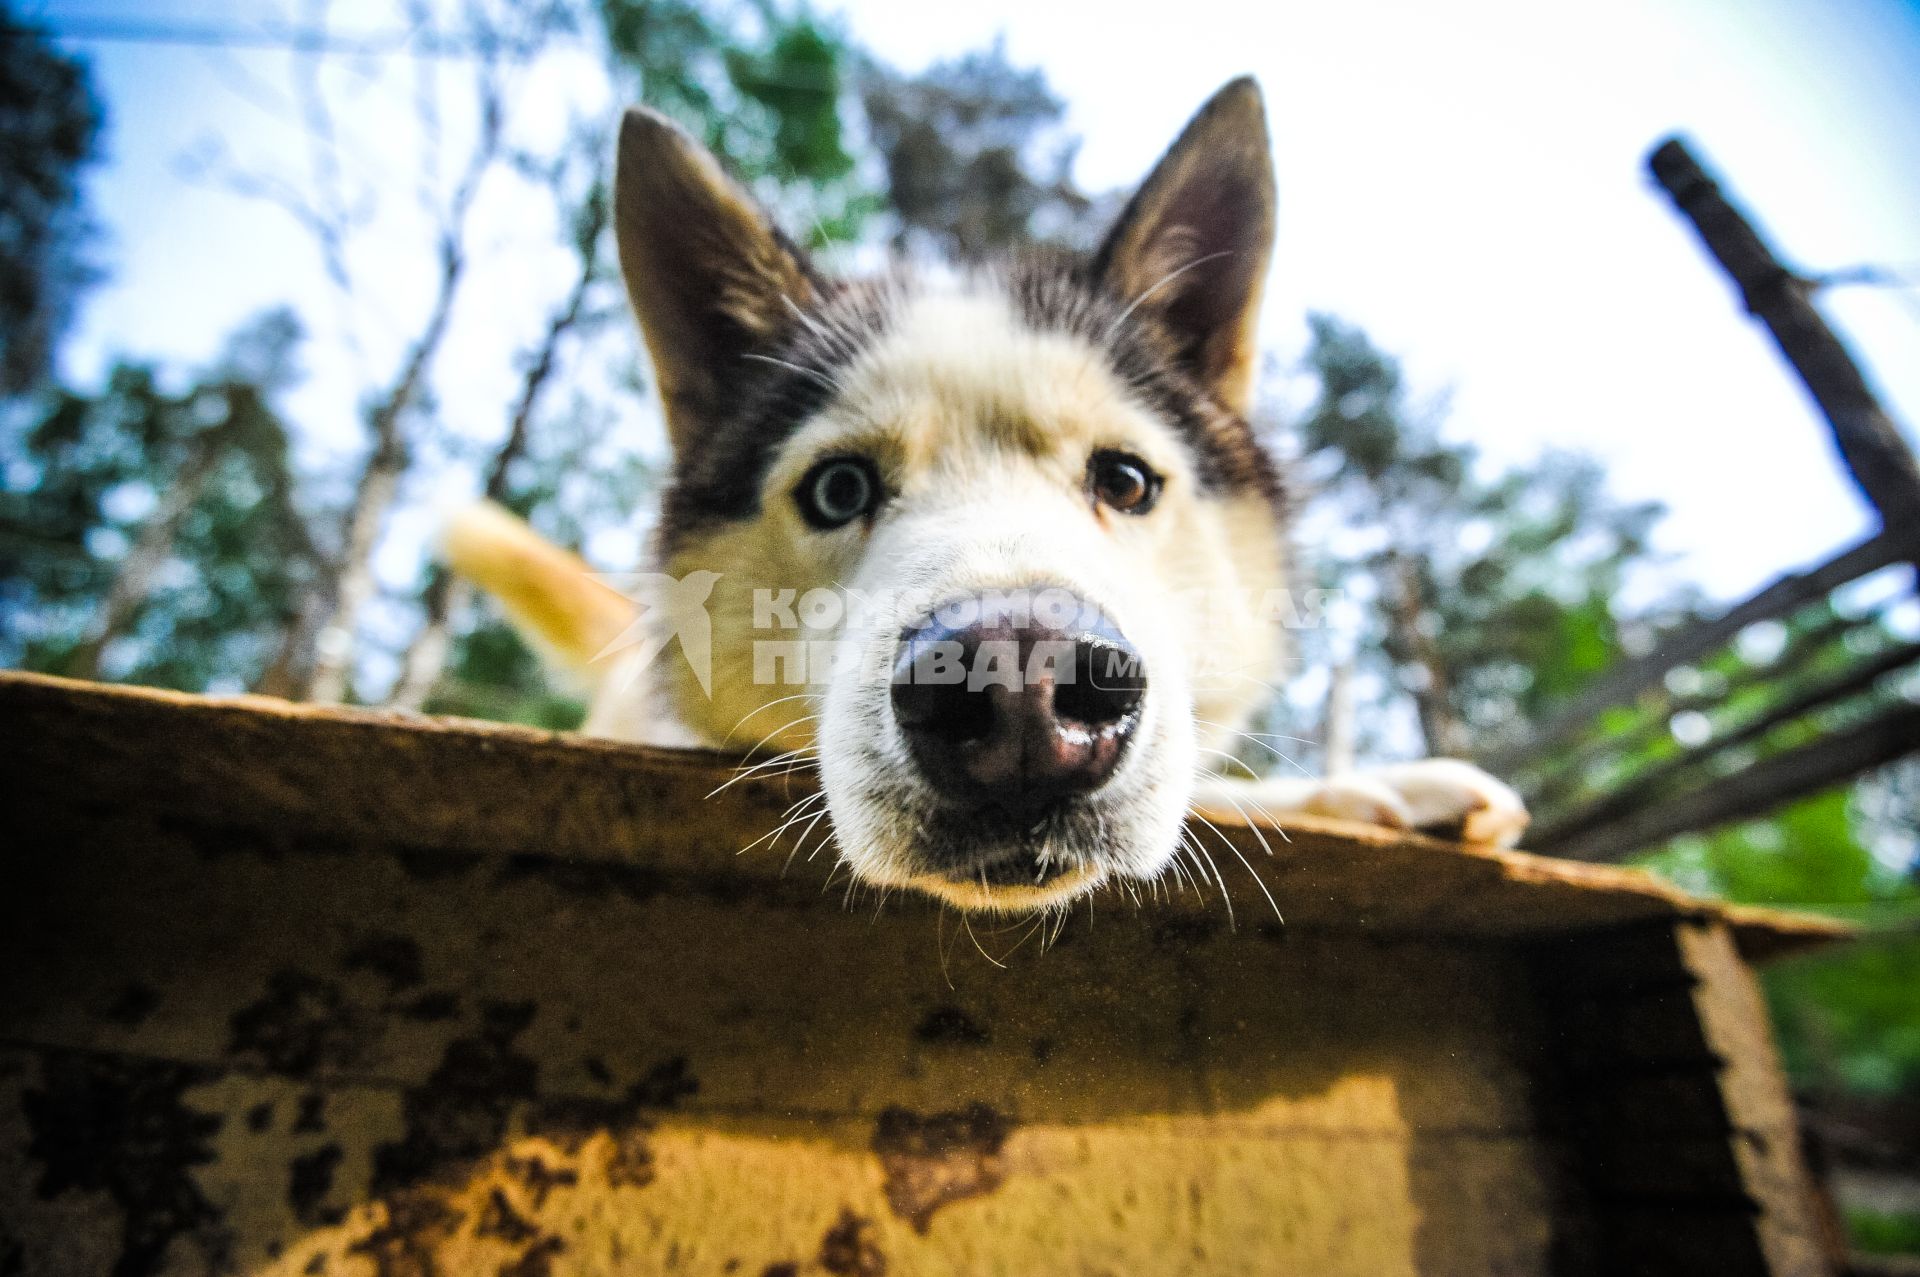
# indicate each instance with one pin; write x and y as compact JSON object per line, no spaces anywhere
{"x":711,"y":279}
{"x":1192,"y":247}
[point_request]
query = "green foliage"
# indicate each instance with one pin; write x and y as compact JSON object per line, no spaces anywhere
{"x":1884,"y":1233}
{"x":764,"y":88}
{"x":86,"y":470}
{"x":1847,"y":1020}
{"x":795,"y":81}
{"x":495,"y":675}
{"x":50,"y":125}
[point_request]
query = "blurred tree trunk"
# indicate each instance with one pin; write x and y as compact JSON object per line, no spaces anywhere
{"x":133,"y":579}
{"x":1445,"y":735}
{"x":352,"y":583}
{"x":1337,"y":737}
{"x":283,"y":675}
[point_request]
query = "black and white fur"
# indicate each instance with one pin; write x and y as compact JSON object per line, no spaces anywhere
{"x":977,"y":395}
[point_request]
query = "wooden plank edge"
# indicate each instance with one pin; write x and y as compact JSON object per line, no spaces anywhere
{"x":1761,"y":933}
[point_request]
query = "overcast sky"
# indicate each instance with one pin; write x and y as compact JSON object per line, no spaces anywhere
{"x":1465,"y":181}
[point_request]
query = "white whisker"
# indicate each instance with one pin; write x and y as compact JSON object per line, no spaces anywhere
{"x":784,"y":727}
{"x":1161,"y":283}
{"x":790,"y":818}
{"x":805,"y":752}
{"x":1234,"y":848}
{"x":1225,"y":895}
{"x":761,"y":709}
{"x":968,"y":920}
{"x":813,"y":373}
{"x":1221,"y":753}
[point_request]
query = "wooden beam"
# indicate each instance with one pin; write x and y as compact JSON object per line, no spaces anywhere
{"x":1665,"y":1077}
{"x":1732,"y":1012}
{"x":1650,"y":785}
{"x":1563,"y":777}
{"x":453,"y":791}
{"x":1782,"y":597}
{"x":1875,"y":453}
{"x":1768,"y":784}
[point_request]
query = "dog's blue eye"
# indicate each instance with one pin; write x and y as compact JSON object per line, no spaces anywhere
{"x":837,"y":491}
{"x":1123,"y":481}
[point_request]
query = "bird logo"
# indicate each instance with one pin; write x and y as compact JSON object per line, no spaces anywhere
{"x":670,"y":608}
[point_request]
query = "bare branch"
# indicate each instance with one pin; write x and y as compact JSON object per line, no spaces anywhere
{"x":426,"y":107}
{"x":378,"y":487}
{"x":323,"y":158}
{"x":426,"y":656}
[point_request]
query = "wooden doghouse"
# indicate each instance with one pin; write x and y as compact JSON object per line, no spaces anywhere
{"x":306,"y":991}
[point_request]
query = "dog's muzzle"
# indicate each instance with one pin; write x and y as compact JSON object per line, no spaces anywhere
{"x":1016,"y":705}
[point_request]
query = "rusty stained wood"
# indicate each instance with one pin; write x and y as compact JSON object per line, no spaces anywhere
{"x":362,"y":1061}
{"x":296,"y":991}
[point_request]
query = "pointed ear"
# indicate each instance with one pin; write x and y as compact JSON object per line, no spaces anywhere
{"x":710,"y":278}
{"x":1192,"y":247}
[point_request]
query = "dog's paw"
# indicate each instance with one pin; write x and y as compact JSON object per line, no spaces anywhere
{"x":1451,"y":799}
{"x":1439,"y":796}
{"x":1357,"y":796}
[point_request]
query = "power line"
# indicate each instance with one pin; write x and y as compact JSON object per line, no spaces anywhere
{"x":279,"y":37}
{"x":272,"y":36}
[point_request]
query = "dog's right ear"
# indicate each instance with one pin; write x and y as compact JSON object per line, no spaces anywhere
{"x":710,"y":278}
{"x":1192,"y":246}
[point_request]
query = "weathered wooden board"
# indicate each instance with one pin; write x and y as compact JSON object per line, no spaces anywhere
{"x":276,"y":1001}
{"x":296,"y":773}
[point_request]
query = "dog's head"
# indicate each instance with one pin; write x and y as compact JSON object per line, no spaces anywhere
{"x":976,"y":533}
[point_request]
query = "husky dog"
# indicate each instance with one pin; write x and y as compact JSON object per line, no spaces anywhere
{"x":1034,"y":488}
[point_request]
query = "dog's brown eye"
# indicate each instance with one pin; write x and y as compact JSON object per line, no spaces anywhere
{"x":1123,"y":481}
{"x":837,"y":491}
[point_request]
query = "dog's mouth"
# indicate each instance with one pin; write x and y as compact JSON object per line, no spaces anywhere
{"x":1025,"y":867}
{"x":996,"y":860}
{"x":1020,"y":883}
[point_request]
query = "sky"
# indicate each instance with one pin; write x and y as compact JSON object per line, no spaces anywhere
{"x":1464,"y":181}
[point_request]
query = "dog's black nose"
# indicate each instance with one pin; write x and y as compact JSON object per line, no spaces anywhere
{"x":1015,"y":700}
